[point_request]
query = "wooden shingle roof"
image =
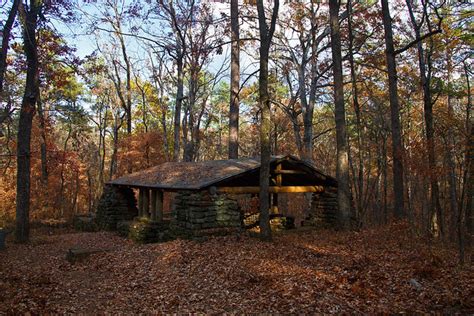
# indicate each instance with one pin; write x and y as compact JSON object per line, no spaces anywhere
{"x":201,"y":174}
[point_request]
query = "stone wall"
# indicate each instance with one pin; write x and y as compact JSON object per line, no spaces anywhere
{"x":200,"y":213}
{"x":115,"y":205}
{"x":324,"y":210}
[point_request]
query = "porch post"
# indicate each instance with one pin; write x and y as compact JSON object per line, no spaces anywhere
{"x":146,"y":202}
{"x":278,"y":183}
{"x":153,"y":205}
{"x":140,"y":202}
{"x":159,"y":206}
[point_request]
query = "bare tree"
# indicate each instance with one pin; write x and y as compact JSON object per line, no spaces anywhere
{"x":179,"y":22}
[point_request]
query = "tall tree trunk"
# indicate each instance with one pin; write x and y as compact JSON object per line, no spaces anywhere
{"x":102,"y":148}
{"x":355,"y":100}
{"x":385,"y":180}
{"x":117,"y":25}
{"x":61,"y":198}
{"x":177,"y":110}
{"x":450,"y":153}
{"x":234,"y":81}
{"x":466,"y":218}
{"x":307,"y":111}
{"x":342,"y":168}
{"x":29,"y":20}
{"x":43,"y":148}
{"x":113,"y":158}
{"x":425,"y":79}
{"x":397,"y":147}
{"x":266,"y":34}
{"x":6,"y":32}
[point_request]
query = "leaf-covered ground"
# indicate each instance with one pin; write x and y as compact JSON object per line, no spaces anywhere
{"x":383,"y":270}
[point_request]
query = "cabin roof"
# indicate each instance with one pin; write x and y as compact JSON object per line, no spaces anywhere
{"x":202,"y":174}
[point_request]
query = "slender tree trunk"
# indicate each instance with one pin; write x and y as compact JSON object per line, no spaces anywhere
{"x":102,"y":131}
{"x":308,"y":111}
{"x":425,"y":78}
{"x":296,"y":131}
{"x":89,"y":191}
{"x":355,"y":100}
{"x":113,"y":158}
{"x":128,"y":71}
{"x":266,"y":34}
{"x":76,"y":194}
{"x":6,"y":32}
{"x":234,"y":81}
{"x":27,"y":112}
{"x":43,"y":148}
{"x":177,"y":111}
{"x":62,"y":200}
{"x":385,"y":180}
{"x":450,"y":153}
{"x":397,"y":147}
{"x":466,"y":217}
{"x":342,"y":168}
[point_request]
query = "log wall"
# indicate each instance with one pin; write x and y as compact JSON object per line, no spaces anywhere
{"x":324,"y":209}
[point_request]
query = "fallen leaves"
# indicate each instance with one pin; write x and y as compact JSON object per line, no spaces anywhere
{"x":300,"y":272}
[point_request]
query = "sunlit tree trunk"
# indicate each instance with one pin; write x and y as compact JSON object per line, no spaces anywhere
{"x":342,"y":167}
{"x":234,"y":81}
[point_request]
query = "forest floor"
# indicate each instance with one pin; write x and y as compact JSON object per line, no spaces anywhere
{"x":378,"y":270}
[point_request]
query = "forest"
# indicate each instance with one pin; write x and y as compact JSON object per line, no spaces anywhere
{"x":376,"y":94}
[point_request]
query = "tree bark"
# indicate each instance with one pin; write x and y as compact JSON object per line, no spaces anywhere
{"x":397,"y":147}
{"x":450,"y":153}
{"x":425,"y":79}
{"x":234,"y":81}
{"x":177,"y":109}
{"x":6,"y":32}
{"x":355,"y":100}
{"x":266,"y":34}
{"x":117,"y":26}
{"x":342,"y":168}
{"x":29,"y":22}
{"x":466,"y":218}
{"x":113,"y":158}
{"x":43,"y":148}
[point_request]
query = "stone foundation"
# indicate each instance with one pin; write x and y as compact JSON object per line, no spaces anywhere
{"x":198,"y":214}
{"x":324,"y":210}
{"x":115,"y":205}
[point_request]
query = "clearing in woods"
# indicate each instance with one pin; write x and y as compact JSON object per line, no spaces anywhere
{"x":379,"y":270}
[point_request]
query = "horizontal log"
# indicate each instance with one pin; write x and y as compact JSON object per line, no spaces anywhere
{"x":272,"y":189}
{"x":288,"y":172}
